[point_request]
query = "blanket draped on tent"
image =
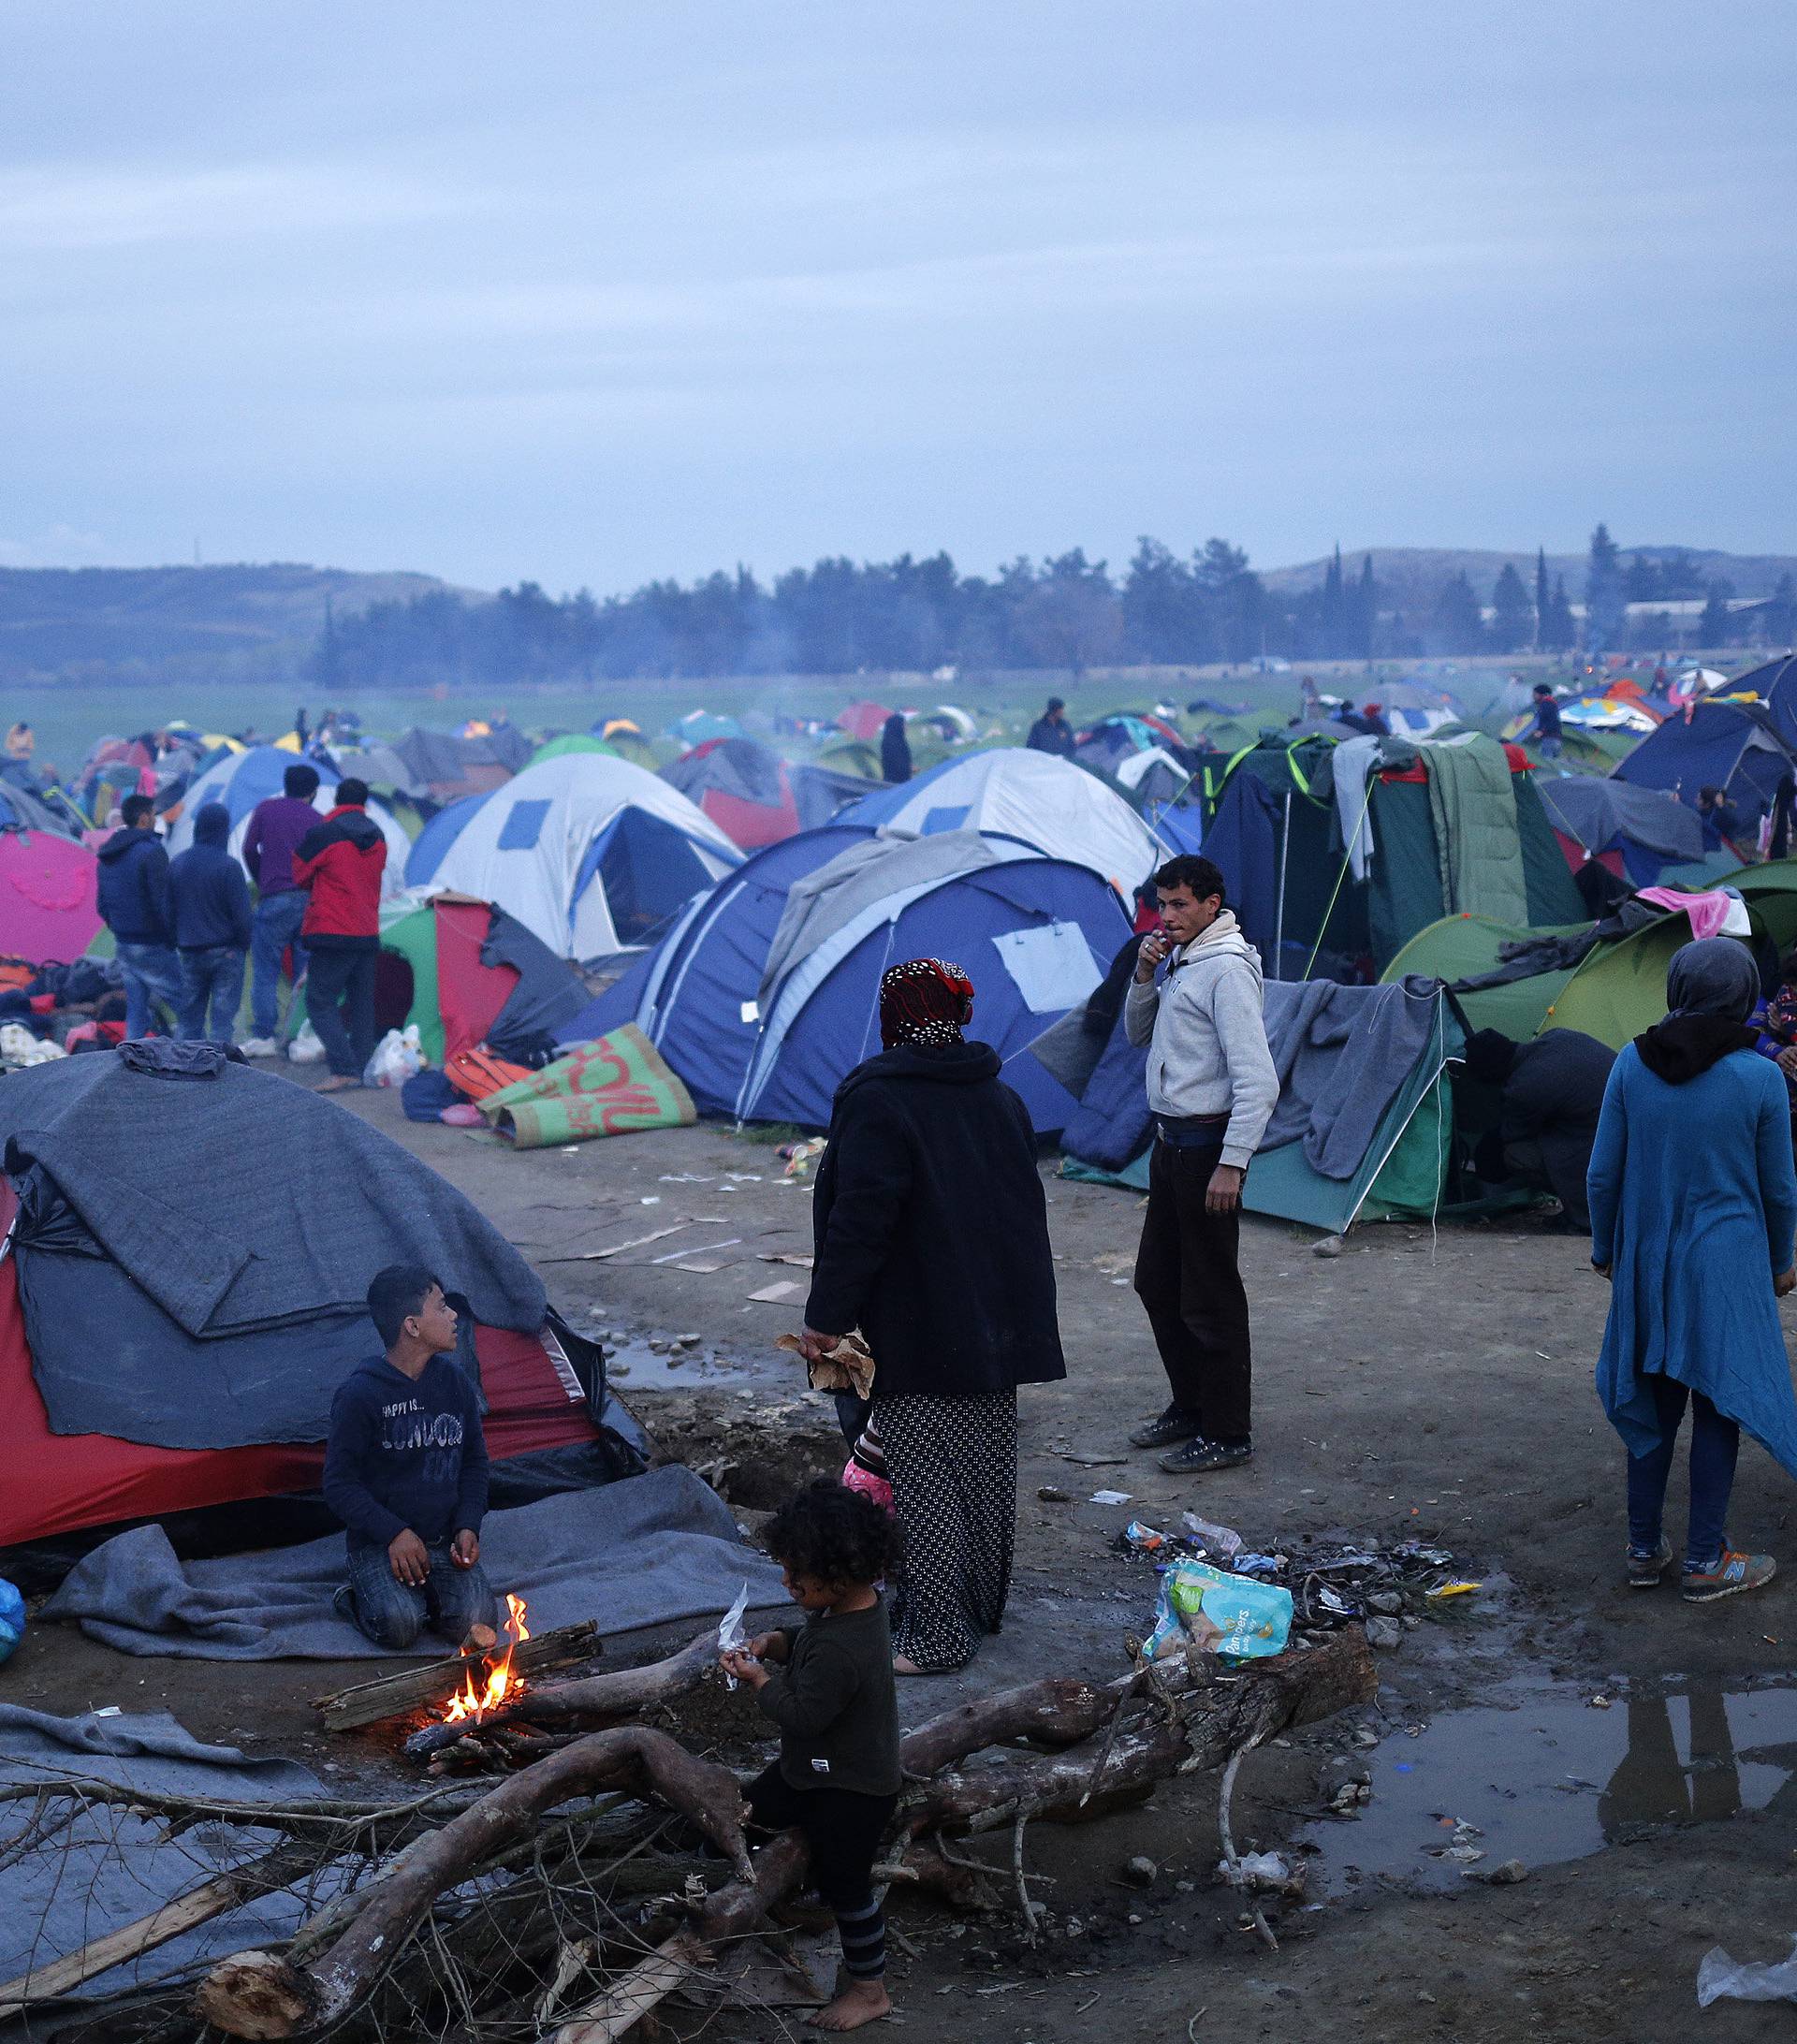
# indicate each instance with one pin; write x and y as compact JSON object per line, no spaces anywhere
{"x":1472,"y":805}
{"x":618,"y":1085}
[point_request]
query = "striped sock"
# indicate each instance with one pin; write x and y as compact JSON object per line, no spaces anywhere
{"x":863,"y":1932}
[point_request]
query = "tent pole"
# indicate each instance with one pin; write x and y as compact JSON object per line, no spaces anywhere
{"x":1279,"y":926}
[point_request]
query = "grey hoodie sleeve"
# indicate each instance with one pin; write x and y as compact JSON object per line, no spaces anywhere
{"x":1140,"y":1007}
{"x":1235,"y":1013}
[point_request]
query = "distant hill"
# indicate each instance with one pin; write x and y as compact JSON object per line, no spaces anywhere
{"x":238,"y":623}
{"x":1410,"y":577}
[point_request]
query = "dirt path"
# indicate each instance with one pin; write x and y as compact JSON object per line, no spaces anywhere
{"x":1415,"y":1385}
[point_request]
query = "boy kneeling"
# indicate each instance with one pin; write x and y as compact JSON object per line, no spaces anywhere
{"x":831,"y":1691}
{"x":406,"y":1470}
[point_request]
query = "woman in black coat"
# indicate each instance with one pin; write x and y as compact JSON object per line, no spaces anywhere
{"x":932,"y":1238}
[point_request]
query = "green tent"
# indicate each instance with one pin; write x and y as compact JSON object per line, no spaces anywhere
{"x":1463,"y":947}
{"x":573,"y":741}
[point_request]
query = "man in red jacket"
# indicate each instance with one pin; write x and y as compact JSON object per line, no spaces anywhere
{"x":340,"y":862}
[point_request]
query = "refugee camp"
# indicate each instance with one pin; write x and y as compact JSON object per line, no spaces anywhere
{"x":897,"y":1027}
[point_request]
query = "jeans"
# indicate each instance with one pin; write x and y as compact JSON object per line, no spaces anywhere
{"x":1552,"y":748}
{"x":1186,"y":1277}
{"x":340,"y":998}
{"x":211,"y":975}
{"x":152,"y":972}
{"x":1715,"y":1443}
{"x":392,"y":1614}
{"x":278,"y":918}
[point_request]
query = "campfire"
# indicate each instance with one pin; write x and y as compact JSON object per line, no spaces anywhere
{"x":500,"y":1685}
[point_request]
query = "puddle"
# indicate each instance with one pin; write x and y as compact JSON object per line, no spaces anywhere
{"x":686,"y":1369}
{"x":1553,"y":1779}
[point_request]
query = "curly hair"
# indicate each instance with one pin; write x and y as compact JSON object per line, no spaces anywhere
{"x":835,"y":1534}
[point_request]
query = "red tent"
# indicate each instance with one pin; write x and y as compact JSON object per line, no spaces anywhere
{"x":745,"y":789}
{"x":863,"y":720}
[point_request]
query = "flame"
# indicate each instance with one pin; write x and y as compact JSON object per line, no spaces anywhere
{"x":499,"y":1683}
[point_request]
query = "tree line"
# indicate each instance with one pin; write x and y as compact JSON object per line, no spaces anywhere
{"x":1064,"y":614}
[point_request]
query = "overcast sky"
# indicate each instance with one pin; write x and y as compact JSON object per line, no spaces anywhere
{"x":591,"y":292}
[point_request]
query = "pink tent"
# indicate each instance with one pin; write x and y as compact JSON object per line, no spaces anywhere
{"x":48,"y":887}
{"x":863,"y":720}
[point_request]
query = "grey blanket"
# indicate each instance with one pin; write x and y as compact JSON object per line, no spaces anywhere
{"x":1343,"y":1055}
{"x":109,"y":1868}
{"x":640,"y":1552}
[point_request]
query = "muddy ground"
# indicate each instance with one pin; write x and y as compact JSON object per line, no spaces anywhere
{"x":1417,"y":1385}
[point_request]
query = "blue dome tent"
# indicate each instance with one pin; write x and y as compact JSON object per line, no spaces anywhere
{"x":440,"y":832}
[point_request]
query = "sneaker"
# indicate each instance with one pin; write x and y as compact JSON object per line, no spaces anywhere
{"x":1645,"y":1570}
{"x":1199,"y":1456}
{"x":260,"y":1046}
{"x":1732,"y":1573}
{"x":1174,"y":1425}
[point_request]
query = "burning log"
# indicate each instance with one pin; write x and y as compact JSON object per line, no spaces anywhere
{"x":431,"y":1686}
{"x":258,"y":1994}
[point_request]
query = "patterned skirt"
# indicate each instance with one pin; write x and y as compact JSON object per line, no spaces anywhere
{"x":953,"y":1462}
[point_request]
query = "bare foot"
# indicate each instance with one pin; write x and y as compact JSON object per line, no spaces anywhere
{"x":902,"y":1664}
{"x":865,"y":2001}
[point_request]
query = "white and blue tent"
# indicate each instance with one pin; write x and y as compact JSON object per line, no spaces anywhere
{"x":1011,"y":792}
{"x":591,"y":854}
{"x":241,"y":779}
{"x":764,"y":997}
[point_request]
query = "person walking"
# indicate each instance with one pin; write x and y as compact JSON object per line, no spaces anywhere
{"x":1545,"y":726}
{"x":211,"y":907}
{"x":895,"y":750}
{"x":931,"y":1235}
{"x":340,"y":862}
{"x":1693,"y":1217}
{"x":275,"y":828}
{"x":1051,"y":732}
{"x":135,"y":905}
{"x":1212,"y":1089}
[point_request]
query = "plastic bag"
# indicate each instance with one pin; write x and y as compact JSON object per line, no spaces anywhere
{"x":12,"y":1618}
{"x":398,"y":1057}
{"x":731,"y":1636}
{"x":1720,"y":1978}
{"x":306,"y":1048}
{"x":1205,"y":1609}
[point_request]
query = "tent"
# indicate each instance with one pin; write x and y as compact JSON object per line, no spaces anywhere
{"x":699,"y":726}
{"x":1142,"y":755}
{"x":1035,"y":935}
{"x":1641,"y":836}
{"x":434,"y":839}
{"x":863,"y":720}
{"x":1047,"y":803}
{"x":241,"y":779}
{"x":48,"y":886}
{"x":440,"y":765}
{"x":1364,"y":1123}
{"x":754,"y":795}
{"x":1746,"y":748}
{"x":465,"y":973}
{"x":1312,"y":907}
{"x":1414,"y":711}
{"x":695,"y":995}
{"x":173,"y":1338}
{"x":573,"y":741}
{"x":588,"y":854}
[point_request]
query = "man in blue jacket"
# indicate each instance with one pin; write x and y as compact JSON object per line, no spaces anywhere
{"x":212,"y":925}
{"x":406,"y":1470}
{"x":135,"y":906}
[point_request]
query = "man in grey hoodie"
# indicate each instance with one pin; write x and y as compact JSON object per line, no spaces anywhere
{"x":1212,"y":1089}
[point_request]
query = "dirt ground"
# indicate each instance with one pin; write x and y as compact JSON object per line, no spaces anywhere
{"x":1422,"y":1386}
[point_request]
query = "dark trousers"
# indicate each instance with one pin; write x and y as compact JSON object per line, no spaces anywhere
{"x":1715,"y":1444}
{"x":844,"y":1830}
{"x":340,"y":999}
{"x":1187,"y":1279}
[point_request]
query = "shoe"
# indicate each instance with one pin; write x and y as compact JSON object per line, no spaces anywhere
{"x":1173,"y":1426}
{"x":1199,"y":1456}
{"x":1645,"y":1570}
{"x":260,"y":1046}
{"x":1733,"y":1574}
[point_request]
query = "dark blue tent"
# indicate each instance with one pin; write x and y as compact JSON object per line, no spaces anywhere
{"x":1746,"y":749}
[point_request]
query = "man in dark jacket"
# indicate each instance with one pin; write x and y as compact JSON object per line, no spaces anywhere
{"x":895,"y":750}
{"x":340,"y":862}
{"x":1552,"y":1094}
{"x":931,"y":1235}
{"x":135,"y":906}
{"x":212,"y":904}
{"x":276,"y":829}
{"x":1051,"y":732}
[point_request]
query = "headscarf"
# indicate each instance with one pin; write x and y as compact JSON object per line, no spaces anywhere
{"x":1712,"y":986}
{"x":925,"y":1000}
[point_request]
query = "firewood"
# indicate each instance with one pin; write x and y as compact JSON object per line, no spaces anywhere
{"x":623,"y":1692}
{"x":413,"y":1688}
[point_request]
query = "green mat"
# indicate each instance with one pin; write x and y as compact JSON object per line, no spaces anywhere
{"x":617,"y":1085}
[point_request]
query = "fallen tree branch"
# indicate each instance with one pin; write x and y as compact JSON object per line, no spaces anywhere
{"x":259,"y":1994}
{"x":624,"y":1692}
{"x":1231,"y":1859}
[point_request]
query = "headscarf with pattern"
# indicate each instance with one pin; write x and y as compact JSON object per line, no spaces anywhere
{"x":925,"y":1000}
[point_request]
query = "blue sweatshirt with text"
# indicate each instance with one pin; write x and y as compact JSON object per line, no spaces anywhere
{"x":406,"y":1453}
